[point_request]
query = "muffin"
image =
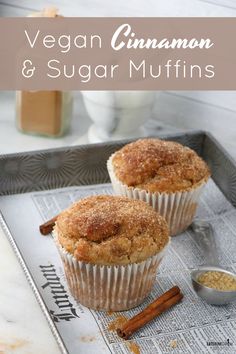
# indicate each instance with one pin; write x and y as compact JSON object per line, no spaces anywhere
{"x":111,"y":247}
{"x":165,"y":174}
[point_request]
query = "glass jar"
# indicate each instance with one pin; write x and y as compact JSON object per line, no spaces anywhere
{"x":46,"y":113}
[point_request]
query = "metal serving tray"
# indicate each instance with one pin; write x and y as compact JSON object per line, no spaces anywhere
{"x":24,"y":174}
{"x":86,"y":165}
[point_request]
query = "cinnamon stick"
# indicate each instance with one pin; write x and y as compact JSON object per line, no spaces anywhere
{"x":161,"y":304}
{"x":47,"y":227}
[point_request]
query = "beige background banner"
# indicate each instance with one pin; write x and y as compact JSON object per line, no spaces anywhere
{"x":118,"y":53}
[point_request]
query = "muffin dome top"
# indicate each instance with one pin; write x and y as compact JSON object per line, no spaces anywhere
{"x":159,"y":166}
{"x":111,"y":230}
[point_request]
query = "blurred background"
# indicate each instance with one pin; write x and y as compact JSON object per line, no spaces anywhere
{"x":172,"y":111}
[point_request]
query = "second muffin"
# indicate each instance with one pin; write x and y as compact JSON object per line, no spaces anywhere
{"x":165,"y":174}
{"x":111,"y":247}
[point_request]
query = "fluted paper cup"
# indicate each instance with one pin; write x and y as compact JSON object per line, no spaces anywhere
{"x":178,"y":208}
{"x":109,"y":288}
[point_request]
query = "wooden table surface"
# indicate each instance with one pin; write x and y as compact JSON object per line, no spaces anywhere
{"x":23,"y":328}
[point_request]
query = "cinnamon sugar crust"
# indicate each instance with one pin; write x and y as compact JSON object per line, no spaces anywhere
{"x":111,"y":230}
{"x":159,"y":166}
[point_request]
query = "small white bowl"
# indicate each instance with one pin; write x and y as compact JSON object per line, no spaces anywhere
{"x":118,"y":114}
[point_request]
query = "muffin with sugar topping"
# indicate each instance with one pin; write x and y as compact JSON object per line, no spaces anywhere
{"x":111,"y":247}
{"x":166,"y":174}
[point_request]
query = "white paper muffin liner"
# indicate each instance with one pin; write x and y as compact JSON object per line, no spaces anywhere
{"x":109,"y":288}
{"x":177,"y":208}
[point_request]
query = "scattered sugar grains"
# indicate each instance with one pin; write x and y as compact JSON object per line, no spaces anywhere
{"x":173,"y":343}
{"x":117,"y":322}
{"x":133,"y":347}
{"x":218,"y":280}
